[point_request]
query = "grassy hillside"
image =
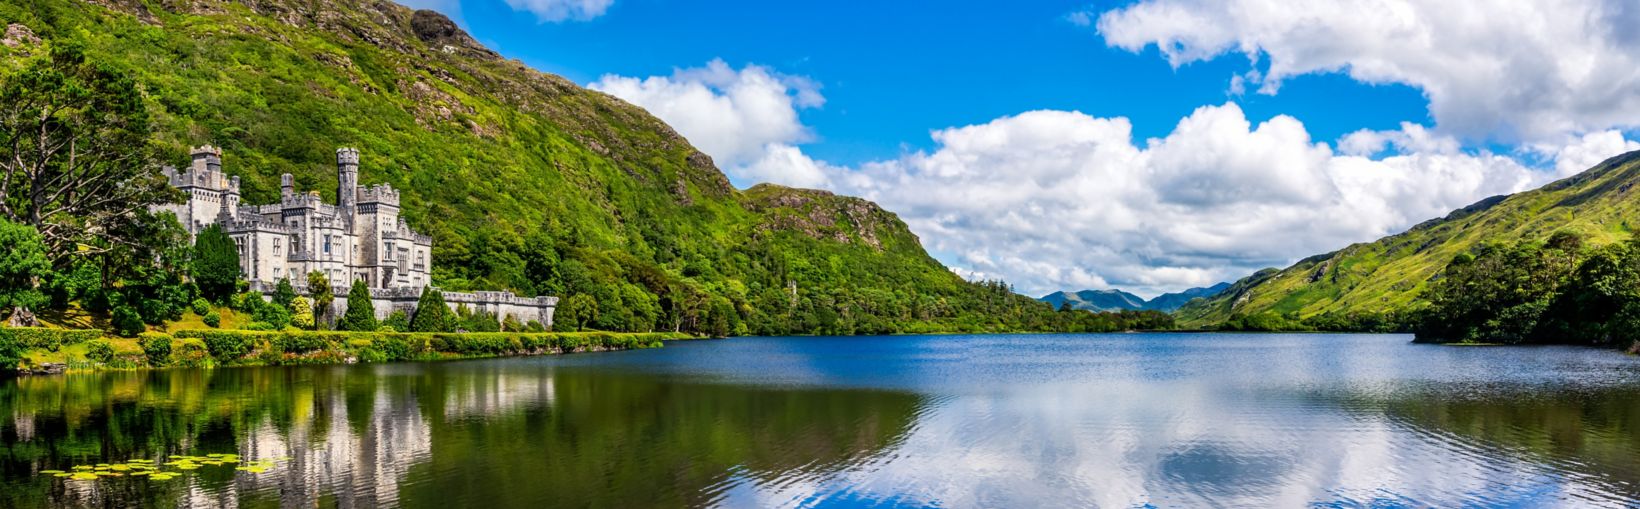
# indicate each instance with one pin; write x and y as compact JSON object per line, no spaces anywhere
{"x":1389,"y":275}
{"x":526,"y":180}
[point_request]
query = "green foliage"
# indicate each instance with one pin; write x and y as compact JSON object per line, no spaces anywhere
{"x":200,"y":307}
{"x":575,"y":313}
{"x":319,"y":291}
{"x":284,"y":293}
{"x":48,"y":339}
{"x":398,"y":320}
{"x":76,"y":165}
{"x":22,"y":263}
{"x":274,"y":315}
{"x":216,"y":263}
{"x":100,"y":351}
{"x":212,"y":318}
{"x":224,"y":345}
{"x":432,"y":315}
{"x":157,"y":347}
{"x":11,"y":353}
{"x":127,"y":322}
{"x":301,"y":313}
{"x":1558,"y":291}
{"x":361,"y":313}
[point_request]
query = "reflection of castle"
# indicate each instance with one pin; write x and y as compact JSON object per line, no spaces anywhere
{"x":361,"y":237}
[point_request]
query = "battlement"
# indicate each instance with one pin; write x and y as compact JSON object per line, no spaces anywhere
{"x":380,"y":194}
{"x":347,"y":155}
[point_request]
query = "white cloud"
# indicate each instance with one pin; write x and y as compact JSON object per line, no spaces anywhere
{"x":1055,"y":200}
{"x":1507,"y":70}
{"x":746,"y":119}
{"x":562,"y":10}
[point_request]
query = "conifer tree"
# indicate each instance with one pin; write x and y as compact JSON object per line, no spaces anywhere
{"x":216,"y":263}
{"x":432,"y":315}
{"x":361,"y":314}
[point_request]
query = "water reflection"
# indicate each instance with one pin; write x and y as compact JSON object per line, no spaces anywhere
{"x":990,"y":421}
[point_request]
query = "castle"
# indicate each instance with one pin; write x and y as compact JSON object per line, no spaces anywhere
{"x":360,"y":238}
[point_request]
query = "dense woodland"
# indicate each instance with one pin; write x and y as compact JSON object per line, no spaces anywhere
{"x":529,"y":183}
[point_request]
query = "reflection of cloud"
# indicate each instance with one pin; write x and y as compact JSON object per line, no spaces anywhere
{"x":1123,"y":444}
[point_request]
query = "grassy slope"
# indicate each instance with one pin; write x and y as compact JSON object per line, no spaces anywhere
{"x":486,"y":151}
{"x":1389,"y":274}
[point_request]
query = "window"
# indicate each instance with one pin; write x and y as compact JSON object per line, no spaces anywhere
{"x":327,"y":244}
{"x":276,"y":251}
{"x":276,"y":272}
{"x":389,"y":253}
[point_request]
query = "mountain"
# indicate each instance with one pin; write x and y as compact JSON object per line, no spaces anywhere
{"x":1388,"y":275}
{"x":1117,"y":300}
{"x":1173,"y":301}
{"x":1096,"y":300}
{"x":526,"y":181}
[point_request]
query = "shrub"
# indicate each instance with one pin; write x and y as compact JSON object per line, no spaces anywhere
{"x":360,"y":314}
{"x":127,"y":322}
{"x":299,"y":342}
{"x":301,"y":313}
{"x":49,"y":339}
{"x":100,"y":351}
{"x":201,"y":306}
{"x":534,"y":326}
{"x":226,"y":345}
{"x":190,"y":352}
{"x":11,"y":353}
{"x":259,"y":326}
{"x":157,"y":347}
{"x":275,"y":316}
{"x":432,"y":315}
{"x":213,"y":318}
{"x":398,"y":321}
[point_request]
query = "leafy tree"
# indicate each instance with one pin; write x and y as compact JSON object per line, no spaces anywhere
{"x":272,"y":314}
{"x":575,"y":313}
{"x":511,"y":323}
{"x":361,"y":314}
{"x":319,"y":291}
{"x":22,"y":263}
{"x":432,"y":315}
{"x":301,"y":313}
{"x":75,"y":160}
{"x":284,"y":293}
{"x":127,"y":322}
{"x":216,"y":263}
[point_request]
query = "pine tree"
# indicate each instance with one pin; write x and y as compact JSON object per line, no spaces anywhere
{"x":216,"y":263}
{"x":432,"y":315}
{"x":284,"y":293}
{"x":361,"y":314}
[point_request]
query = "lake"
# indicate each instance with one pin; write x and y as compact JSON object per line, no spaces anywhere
{"x":1075,"y":420}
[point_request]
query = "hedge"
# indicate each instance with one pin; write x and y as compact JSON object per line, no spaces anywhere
{"x":49,"y":339}
{"x":229,"y":346}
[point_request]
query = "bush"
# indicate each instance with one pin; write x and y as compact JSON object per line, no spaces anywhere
{"x":361,"y":313}
{"x":201,"y":306}
{"x":190,"y":352}
{"x":100,"y":351}
{"x":299,"y":342}
{"x":11,"y":353}
{"x":49,"y":339}
{"x":275,"y":316}
{"x":157,"y":347}
{"x":259,"y":326}
{"x":127,"y":322}
{"x":301,"y":310}
{"x":398,"y":321}
{"x":225,"y":345}
{"x":213,"y":318}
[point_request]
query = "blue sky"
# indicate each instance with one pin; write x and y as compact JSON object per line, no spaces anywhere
{"x":1149,"y":145}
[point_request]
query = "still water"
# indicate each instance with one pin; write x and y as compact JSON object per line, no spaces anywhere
{"x":1116,"y":420}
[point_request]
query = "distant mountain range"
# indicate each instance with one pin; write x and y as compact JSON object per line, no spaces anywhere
{"x":1117,"y":300}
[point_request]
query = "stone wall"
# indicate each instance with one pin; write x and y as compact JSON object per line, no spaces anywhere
{"x":386,"y":301}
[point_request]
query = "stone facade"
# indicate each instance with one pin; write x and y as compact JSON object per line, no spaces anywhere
{"x":360,"y":238}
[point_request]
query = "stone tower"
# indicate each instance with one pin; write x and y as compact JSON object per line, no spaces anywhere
{"x":347,"y":180}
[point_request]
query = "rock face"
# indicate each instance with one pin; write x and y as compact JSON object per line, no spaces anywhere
{"x":438,"y":31}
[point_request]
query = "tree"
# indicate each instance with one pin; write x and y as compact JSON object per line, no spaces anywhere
{"x":432,"y":315}
{"x":398,"y":321}
{"x":301,"y":313}
{"x":283,"y":294}
{"x":75,"y":159}
{"x":216,"y":263}
{"x":319,"y":291}
{"x":578,"y":311}
{"x":361,"y":314}
{"x":22,"y":263}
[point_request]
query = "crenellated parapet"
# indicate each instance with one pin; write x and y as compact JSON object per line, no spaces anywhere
{"x":381,"y":194}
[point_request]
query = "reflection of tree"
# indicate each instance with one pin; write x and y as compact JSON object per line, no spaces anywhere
{"x":479,"y":433}
{"x":640,"y":441}
{"x":1595,"y":434}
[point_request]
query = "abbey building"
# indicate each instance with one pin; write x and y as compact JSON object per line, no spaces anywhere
{"x":359,"y":238}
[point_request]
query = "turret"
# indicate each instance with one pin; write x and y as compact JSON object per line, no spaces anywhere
{"x":347,"y":178}
{"x":206,"y":157}
{"x":287,"y":186}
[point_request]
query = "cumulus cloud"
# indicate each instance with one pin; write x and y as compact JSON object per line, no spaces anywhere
{"x":1508,"y":70}
{"x":1062,"y":200}
{"x":746,"y":119}
{"x":561,"y":10}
